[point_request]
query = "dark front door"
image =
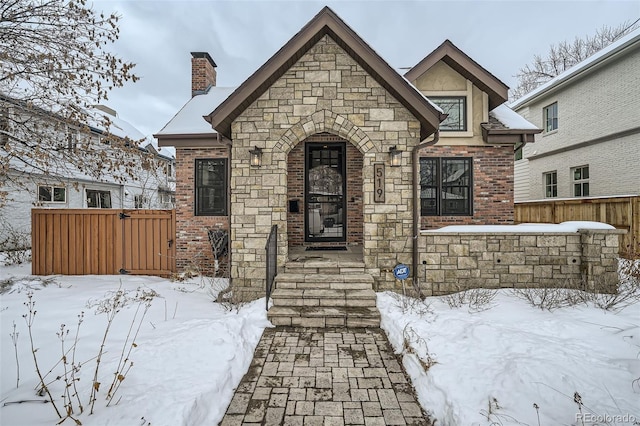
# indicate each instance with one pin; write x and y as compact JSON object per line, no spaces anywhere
{"x":325,"y":192}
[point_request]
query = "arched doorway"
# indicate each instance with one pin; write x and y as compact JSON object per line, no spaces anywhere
{"x":324,"y":189}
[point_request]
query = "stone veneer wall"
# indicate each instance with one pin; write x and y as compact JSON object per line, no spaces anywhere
{"x":193,"y":249}
{"x":492,"y":185}
{"x":324,"y":91}
{"x":295,"y":191}
{"x":454,"y":261}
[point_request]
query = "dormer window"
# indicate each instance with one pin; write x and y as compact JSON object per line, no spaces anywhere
{"x":456,"y":109}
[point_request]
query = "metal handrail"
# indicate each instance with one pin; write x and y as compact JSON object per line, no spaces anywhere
{"x":271,"y":249}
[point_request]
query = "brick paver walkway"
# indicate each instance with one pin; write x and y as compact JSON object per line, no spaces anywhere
{"x":302,"y":376}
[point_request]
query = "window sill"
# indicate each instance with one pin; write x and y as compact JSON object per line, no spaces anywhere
{"x":553,"y":132}
{"x":455,"y":134}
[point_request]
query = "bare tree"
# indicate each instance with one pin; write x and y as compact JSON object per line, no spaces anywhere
{"x":564,"y":55}
{"x":55,"y":65}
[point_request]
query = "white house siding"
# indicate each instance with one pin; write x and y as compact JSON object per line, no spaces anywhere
{"x":15,"y":212}
{"x":521,"y":186}
{"x":613,"y":169}
{"x":604,"y":102}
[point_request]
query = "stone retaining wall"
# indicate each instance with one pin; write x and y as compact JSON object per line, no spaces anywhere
{"x":451,"y":261}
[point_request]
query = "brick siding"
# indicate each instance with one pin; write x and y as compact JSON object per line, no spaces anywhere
{"x":193,"y":250}
{"x":492,"y":185}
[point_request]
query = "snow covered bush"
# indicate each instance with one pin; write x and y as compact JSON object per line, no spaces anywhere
{"x":14,"y":244}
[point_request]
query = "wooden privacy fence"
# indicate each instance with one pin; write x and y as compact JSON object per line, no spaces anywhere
{"x":103,"y":242}
{"x":621,"y":212}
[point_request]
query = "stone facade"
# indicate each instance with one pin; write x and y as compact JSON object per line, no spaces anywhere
{"x":193,"y":249}
{"x":453,"y":261}
{"x":324,"y":91}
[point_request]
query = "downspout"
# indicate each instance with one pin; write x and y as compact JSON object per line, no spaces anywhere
{"x":416,"y":198}
{"x":228,"y":143}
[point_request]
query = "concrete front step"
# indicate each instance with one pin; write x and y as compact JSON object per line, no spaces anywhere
{"x":333,"y":316}
{"x":323,"y":297}
{"x":324,"y":267}
{"x":324,"y":281}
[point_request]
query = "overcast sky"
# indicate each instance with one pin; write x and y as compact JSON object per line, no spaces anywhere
{"x":501,"y":36}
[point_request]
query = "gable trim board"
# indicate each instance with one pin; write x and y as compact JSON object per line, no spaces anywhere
{"x":326,"y":22}
{"x":448,"y":53}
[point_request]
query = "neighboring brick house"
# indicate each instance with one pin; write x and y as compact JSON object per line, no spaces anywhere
{"x":322,"y":141}
{"x":590,"y":116}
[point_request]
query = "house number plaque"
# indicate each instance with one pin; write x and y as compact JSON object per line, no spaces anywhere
{"x":378,"y":183}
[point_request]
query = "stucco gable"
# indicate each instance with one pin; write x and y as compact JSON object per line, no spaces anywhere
{"x":456,"y":59}
{"x":326,"y":22}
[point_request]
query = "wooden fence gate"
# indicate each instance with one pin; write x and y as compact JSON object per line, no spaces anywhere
{"x":103,"y":242}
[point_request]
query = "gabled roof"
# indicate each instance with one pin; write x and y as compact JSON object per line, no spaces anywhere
{"x":448,"y":53}
{"x":326,"y":22}
{"x":581,"y":69}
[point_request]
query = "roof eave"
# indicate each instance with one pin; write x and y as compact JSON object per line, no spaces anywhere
{"x":324,"y":23}
{"x":190,"y":140}
{"x":509,"y":136}
{"x":561,"y":81}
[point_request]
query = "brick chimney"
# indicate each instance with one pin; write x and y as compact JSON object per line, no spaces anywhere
{"x":203,"y":73}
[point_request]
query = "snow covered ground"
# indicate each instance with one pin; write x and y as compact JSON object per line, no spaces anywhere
{"x":490,"y":366}
{"x":190,"y":354}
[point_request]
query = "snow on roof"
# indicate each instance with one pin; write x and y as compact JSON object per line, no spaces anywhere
{"x":189,"y":120}
{"x":167,"y":151}
{"x":598,"y":57}
{"x":510,"y":118}
{"x":164,"y":151}
{"x":571,"y":226}
{"x":117,"y":127}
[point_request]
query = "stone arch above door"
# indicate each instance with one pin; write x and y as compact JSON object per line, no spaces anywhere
{"x":347,"y":218}
{"x":321,"y":122}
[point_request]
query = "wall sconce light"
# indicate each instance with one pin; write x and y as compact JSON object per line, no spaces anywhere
{"x":256,"y":157}
{"x":396,"y":156}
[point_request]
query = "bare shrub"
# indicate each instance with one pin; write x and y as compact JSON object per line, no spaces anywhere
{"x":627,"y":292}
{"x":15,"y":244}
{"x":412,"y":305}
{"x":552,"y":297}
{"x":67,"y":368}
{"x":476,"y":299}
{"x":414,"y":344}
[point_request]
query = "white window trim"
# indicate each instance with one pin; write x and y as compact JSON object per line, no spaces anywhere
{"x":544,"y":119}
{"x":544,"y":184}
{"x":86,"y":194}
{"x":575,"y":182}
{"x":51,"y":187}
{"x":468,"y":94}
